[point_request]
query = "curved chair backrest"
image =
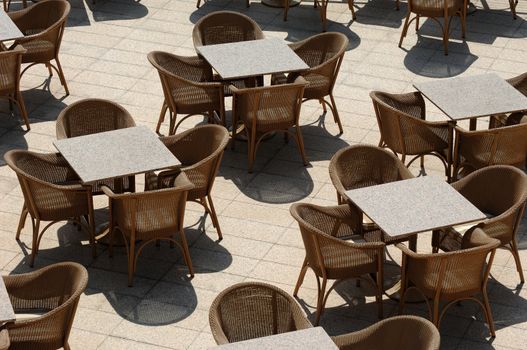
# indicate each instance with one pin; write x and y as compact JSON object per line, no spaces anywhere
{"x":360,"y":166}
{"x":520,"y":83}
{"x":225,"y":27}
{"x":498,"y":146}
{"x":55,"y":289}
{"x":90,"y":116}
{"x":398,"y":332}
{"x":253,"y":310}
{"x":50,"y":187}
{"x":199,"y":150}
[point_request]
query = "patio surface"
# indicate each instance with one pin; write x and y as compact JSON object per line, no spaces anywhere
{"x":104,"y":55}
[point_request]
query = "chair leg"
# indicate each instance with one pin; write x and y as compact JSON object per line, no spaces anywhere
{"x":416,"y":23}
{"x":198,"y":3}
{"x":378,"y":298}
{"x":214,"y":217}
{"x":186,"y":252}
{"x":321,"y":300}
{"x":301,"y":276}
{"x":61,"y":76}
{"x":22,"y":107}
{"x":516,"y":255}
{"x":336,"y":116}
{"x":34,"y":245}
{"x":513,"y":8}
{"x":91,"y":228}
{"x":352,"y":9}
{"x":446,"y":30}
{"x":435,"y":313}
{"x":324,"y":15}
{"x":488,"y":313}
{"x":286,"y":9}
{"x":161,"y":116}
{"x":22,"y":221}
{"x":131,"y":262}
{"x":300,"y":144}
{"x":251,"y":149}
{"x":405,"y":28}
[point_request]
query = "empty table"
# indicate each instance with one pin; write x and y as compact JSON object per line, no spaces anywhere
{"x":8,"y":30}
{"x":116,"y":153}
{"x":414,"y":205}
{"x":473,"y":97}
{"x":251,"y":58}
{"x":7,"y":314}
{"x":306,"y":339}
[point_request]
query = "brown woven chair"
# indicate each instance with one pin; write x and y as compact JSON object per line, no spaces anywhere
{"x":10,"y":80}
{"x":52,"y":293}
{"x":264,"y":110}
{"x":404,"y":130}
{"x":520,"y":83}
{"x":500,"y":192}
{"x":187,"y":88}
{"x":221,"y":27}
{"x":480,"y":148}
{"x":252,"y":310}
{"x":361,"y":166}
{"x":324,"y":230}
{"x":90,"y":116}
{"x":398,"y":332}
{"x":150,"y":216}
{"x":435,"y":9}
{"x":323,"y":53}
{"x":43,"y":26}
{"x":199,"y":150}
{"x":52,"y":192}
{"x":451,"y":277}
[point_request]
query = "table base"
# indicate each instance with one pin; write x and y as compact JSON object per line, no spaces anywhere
{"x":280,"y":3}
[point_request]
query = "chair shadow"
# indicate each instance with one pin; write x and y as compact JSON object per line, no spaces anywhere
{"x":104,"y":10}
{"x":271,"y":20}
{"x":380,"y":13}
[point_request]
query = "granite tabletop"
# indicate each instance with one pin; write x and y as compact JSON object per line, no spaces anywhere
{"x":251,"y":58}
{"x":473,"y":96}
{"x":306,"y":339}
{"x":116,"y":153}
{"x":415,"y":205}
{"x":7,"y":314}
{"x":8,"y":30}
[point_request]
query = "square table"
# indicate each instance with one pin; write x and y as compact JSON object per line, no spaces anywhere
{"x":7,"y":314}
{"x":116,"y":153}
{"x":473,"y":97}
{"x":414,"y":205}
{"x":306,"y":339}
{"x":251,"y":58}
{"x":8,"y":29}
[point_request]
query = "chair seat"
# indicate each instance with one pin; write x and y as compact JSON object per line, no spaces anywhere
{"x":38,"y":50}
{"x":435,"y":8}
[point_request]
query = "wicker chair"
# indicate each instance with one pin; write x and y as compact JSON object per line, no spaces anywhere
{"x":221,"y":27}
{"x":500,"y":192}
{"x":451,"y":277}
{"x":404,"y":130}
{"x":252,"y":310}
{"x":52,"y":192}
{"x":323,"y":53}
{"x":499,"y":146}
{"x":199,"y":150}
{"x":55,"y":290}
{"x":398,"y":332}
{"x":520,"y":83}
{"x":90,"y":116}
{"x":435,"y":9}
{"x":148,"y":217}
{"x":360,"y":166}
{"x":187,"y":88}
{"x":265,"y":110}
{"x":43,"y":26}
{"x":324,"y":230}
{"x":10,"y":83}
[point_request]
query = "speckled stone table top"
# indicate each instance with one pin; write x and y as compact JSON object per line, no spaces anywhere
{"x":8,"y":29}
{"x":116,"y":153}
{"x":474,"y":96}
{"x":414,"y":205}
{"x":252,"y":58}
{"x":306,"y":339}
{"x":6,"y":309}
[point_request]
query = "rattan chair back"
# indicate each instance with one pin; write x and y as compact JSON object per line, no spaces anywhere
{"x":222,"y":27}
{"x":397,"y":332}
{"x":499,"y":146}
{"x":10,"y":62}
{"x":252,"y":310}
{"x":54,"y":291}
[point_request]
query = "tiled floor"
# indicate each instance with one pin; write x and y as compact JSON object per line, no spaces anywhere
{"x":104,"y":55}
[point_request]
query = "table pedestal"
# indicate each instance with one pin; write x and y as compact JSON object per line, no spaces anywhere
{"x":280,"y":3}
